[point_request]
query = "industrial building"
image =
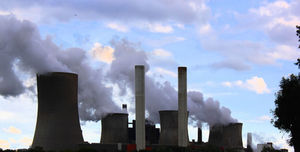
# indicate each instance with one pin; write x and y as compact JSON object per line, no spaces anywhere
{"x":58,"y":126}
{"x":226,"y":136}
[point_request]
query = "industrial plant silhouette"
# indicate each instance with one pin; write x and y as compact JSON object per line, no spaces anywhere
{"x":58,"y":127}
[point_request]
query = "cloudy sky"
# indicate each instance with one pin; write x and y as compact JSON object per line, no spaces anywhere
{"x":236,"y":54}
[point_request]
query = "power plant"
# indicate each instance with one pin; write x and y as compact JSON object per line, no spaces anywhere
{"x":226,"y":136}
{"x":58,"y":126}
{"x":169,"y":128}
{"x":114,"y":128}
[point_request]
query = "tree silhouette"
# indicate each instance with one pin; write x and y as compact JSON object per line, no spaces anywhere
{"x":286,"y":113}
{"x":298,"y":34}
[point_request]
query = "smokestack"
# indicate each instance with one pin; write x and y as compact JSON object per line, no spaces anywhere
{"x":169,"y":127}
{"x":114,"y":128}
{"x":140,"y":107}
{"x":182,"y":107}
{"x":227,"y":136}
{"x":249,"y":142}
{"x":199,"y":135}
{"x":249,"y":139}
{"x":57,"y":126}
{"x":124,"y":107}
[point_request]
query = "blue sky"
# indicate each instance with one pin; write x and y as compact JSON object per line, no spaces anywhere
{"x":235,"y":52}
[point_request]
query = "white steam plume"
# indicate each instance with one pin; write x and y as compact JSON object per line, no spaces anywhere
{"x":160,"y":96}
{"x":22,"y":47}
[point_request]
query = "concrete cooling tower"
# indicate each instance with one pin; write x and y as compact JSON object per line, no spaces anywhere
{"x":114,"y":128}
{"x":169,"y":127}
{"x":226,"y":136}
{"x":57,"y":126}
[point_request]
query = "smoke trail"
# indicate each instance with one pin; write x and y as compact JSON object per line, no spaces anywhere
{"x":22,"y":48}
{"x":160,"y":96}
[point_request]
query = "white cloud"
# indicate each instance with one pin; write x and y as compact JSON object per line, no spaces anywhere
{"x":103,"y":53}
{"x":159,"y":28}
{"x":165,"y":72}
{"x":277,"y":13}
{"x":240,"y":54}
{"x":163,"y":41}
{"x":264,"y":118}
{"x":205,"y":29}
{"x":227,"y":84}
{"x":255,"y":84}
{"x":4,"y":144}
{"x":12,"y":130}
{"x":180,"y":26}
{"x":25,"y":141}
{"x":271,"y":9}
{"x":233,"y":64}
{"x":161,"y":53}
{"x":284,"y":52}
{"x":161,"y":58}
{"x":118,"y":27}
{"x":277,"y":19}
{"x":6,"y":115}
{"x":133,"y":10}
{"x":4,"y":13}
{"x":261,"y":119}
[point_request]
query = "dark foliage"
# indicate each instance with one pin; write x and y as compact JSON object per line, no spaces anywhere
{"x":298,"y":34}
{"x":286,"y":113}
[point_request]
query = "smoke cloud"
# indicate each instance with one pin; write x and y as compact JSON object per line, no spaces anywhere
{"x":23,"y":50}
{"x":161,"y":96}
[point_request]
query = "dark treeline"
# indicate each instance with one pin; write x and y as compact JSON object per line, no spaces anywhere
{"x":163,"y":149}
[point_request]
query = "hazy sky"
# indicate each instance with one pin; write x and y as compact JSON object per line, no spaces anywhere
{"x":236,"y":53}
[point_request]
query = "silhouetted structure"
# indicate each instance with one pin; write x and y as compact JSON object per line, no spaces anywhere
{"x":140,"y":107}
{"x":57,"y":126}
{"x":182,"y":108}
{"x":199,"y":135}
{"x":169,"y":127}
{"x":152,"y":133}
{"x":226,"y":136}
{"x":114,"y":128}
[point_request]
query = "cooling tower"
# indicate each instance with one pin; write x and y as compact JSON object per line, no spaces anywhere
{"x":169,"y":127}
{"x":226,"y":136}
{"x":114,"y":128}
{"x":57,"y":126}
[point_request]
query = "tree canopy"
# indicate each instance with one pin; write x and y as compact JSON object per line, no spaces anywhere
{"x":286,"y":113}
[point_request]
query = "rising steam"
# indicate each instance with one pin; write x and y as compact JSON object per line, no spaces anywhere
{"x":24,"y":52}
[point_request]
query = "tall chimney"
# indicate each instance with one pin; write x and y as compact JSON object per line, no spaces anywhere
{"x":57,"y":127}
{"x":140,"y":107}
{"x":199,"y":135}
{"x":182,"y":108}
{"x":249,"y":139}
